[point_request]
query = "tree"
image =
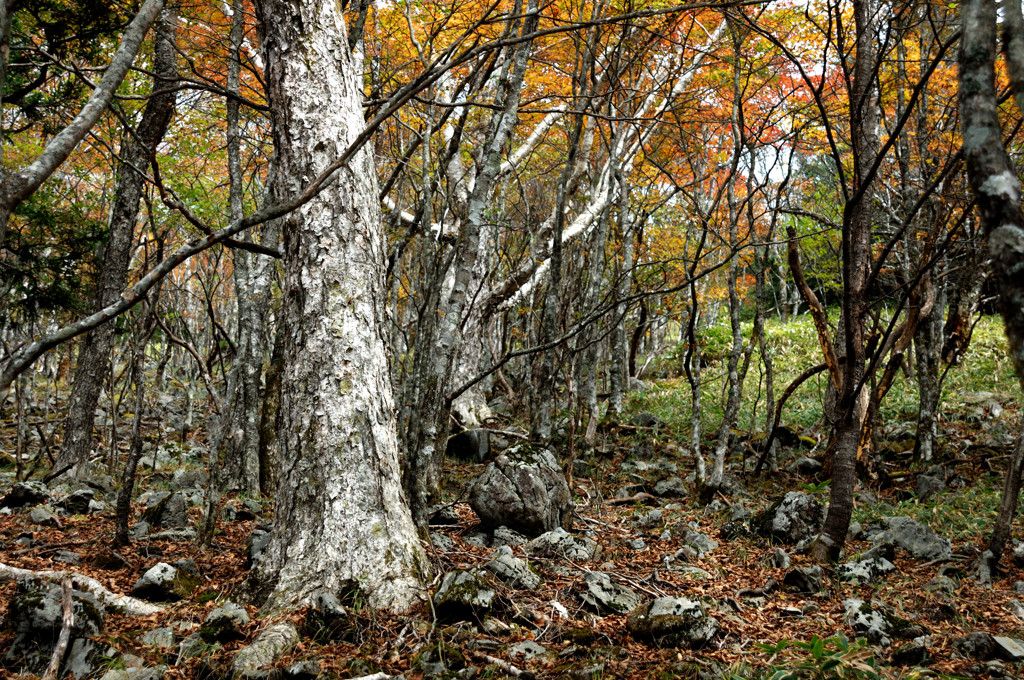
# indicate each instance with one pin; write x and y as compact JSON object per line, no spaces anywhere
{"x":340,"y":512}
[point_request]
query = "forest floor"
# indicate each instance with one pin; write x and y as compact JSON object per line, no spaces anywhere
{"x":761,"y":634}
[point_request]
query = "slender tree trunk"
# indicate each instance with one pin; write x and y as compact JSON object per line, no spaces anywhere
{"x":620,"y":351}
{"x":136,"y":149}
{"x":340,"y":513}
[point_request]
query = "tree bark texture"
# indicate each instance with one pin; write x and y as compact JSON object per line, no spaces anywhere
{"x":137,"y":149}
{"x":340,"y":513}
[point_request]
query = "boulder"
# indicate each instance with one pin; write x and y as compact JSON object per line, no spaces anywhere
{"x":166,"y":510}
{"x":463,"y":595}
{"x":37,"y":613}
{"x":511,"y":570}
{"x":865,"y":571}
{"x":560,"y":543}
{"x":523,"y":489}
{"x":604,"y":594}
{"x":25,"y":494}
{"x":165,"y":583}
{"x":870,"y":619}
{"x":977,"y":645}
{"x":224,"y":623}
{"x":804,"y":580}
{"x":796,"y":517}
{"x":470,"y":445}
{"x":161,"y":638}
{"x":672,"y":622}
{"x":672,"y":487}
{"x":188,"y":478}
{"x":919,"y":541}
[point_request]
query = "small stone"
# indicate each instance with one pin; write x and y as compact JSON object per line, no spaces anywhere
{"x":780,"y":559}
{"x":651,"y":519}
{"x":440,"y":542}
{"x":529,"y":650}
{"x":560,"y":543}
{"x":67,"y":557}
{"x":699,"y":542}
{"x":635,"y":543}
{"x":224,"y":623}
{"x":162,"y":638}
{"x":512,"y":570}
{"x":672,"y":622}
{"x":42,"y":517}
{"x":164,"y":583}
{"x":505,"y":536}
{"x":864,"y":572}
{"x":910,"y":654}
{"x":463,"y":595}
{"x":794,"y":518}
{"x":604,"y":593}
{"x":977,"y":645}
{"x":77,"y":503}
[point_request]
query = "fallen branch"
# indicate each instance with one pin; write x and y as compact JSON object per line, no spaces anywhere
{"x":642,"y":496}
{"x":122,"y":603}
{"x":505,"y":666}
{"x":68,"y":621}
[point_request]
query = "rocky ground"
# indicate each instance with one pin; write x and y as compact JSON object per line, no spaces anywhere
{"x":617,"y":573}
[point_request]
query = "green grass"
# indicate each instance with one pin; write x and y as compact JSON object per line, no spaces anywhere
{"x":985,"y":367}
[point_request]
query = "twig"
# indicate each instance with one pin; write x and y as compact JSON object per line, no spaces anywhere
{"x":65,"y":630}
{"x":642,"y":496}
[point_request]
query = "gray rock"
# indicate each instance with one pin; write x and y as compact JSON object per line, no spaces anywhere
{"x":271,"y":644}
{"x":864,"y":572}
{"x":161,"y":638}
{"x":164,"y":583}
{"x":977,"y":645}
{"x":634,"y":543}
{"x":477,"y":539}
{"x":931,"y":482}
{"x":68,"y":557}
{"x":916,"y":539}
{"x":529,"y":650}
{"x":854,"y":531}
{"x":77,"y":503}
{"x":672,"y":622}
{"x":42,"y":517}
{"x":650,"y":519}
{"x":463,"y":595}
{"x":505,"y":536}
{"x":141,"y":529}
{"x":1018,"y":555}
{"x":672,"y":487}
{"x":780,"y":559}
{"x":134,"y":673}
{"x":167,"y":510}
{"x":443,"y":514}
{"x":37,"y":613}
{"x":646,"y":420}
{"x":560,"y":543}
{"x":512,"y":570}
{"x":805,"y":465}
{"x":441,"y":542}
{"x":1009,"y":649}
{"x":796,"y":517}
{"x":25,"y":494}
{"x":738,"y":513}
{"x":525,"y":490}
{"x":910,"y":654}
{"x":177,"y":535}
{"x":871,"y":620}
{"x":699,"y":542}
{"x":1017,"y":609}
{"x":224,"y":623}
{"x":604,"y":594}
{"x":805,"y":580}
{"x":188,"y":478}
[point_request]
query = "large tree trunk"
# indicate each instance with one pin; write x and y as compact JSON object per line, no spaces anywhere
{"x":997,"y":188}
{"x":137,"y":148}
{"x":340,"y":512}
